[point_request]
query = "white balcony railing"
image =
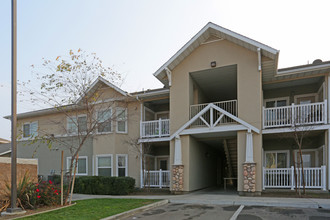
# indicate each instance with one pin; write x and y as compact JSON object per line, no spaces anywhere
{"x":156,"y":128}
{"x":156,"y":178}
{"x":315,"y":178}
{"x":229,"y":106}
{"x":304,"y":114}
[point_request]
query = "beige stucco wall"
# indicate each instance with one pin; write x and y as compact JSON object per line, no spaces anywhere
{"x":249,"y":94}
{"x":110,"y":143}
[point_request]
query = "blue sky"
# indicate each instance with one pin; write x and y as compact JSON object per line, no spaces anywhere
{"x":137,"y":37}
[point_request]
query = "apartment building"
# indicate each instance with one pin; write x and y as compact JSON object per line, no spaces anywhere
{"x":226,"y":113}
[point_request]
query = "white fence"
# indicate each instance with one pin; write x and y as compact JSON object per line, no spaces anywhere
{"x":156,"y":178}
{"x":315,"y":178}
{"x":305,"y":114}
{"x":229,"y":106}
{"x":156,"y":128}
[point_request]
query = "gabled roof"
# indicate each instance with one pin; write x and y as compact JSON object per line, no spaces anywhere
{"x":52,"y":110}
{"x":100,"y":79}
{"x":209,"y":33}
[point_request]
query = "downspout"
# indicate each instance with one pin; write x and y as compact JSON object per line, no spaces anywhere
{"x":259,"y":59}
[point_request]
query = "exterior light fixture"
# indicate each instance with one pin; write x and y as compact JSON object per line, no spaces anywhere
{"x":213,"y":64}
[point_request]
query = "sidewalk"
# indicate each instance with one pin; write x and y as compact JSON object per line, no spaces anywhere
{"x":223,"y":198}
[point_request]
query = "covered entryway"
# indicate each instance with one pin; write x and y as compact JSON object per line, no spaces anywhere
{"x":219,"y":165}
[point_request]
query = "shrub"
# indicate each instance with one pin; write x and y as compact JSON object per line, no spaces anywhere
{"x":101,"y":185}
{"x":47,"y":193}
{"x":26,"y":196}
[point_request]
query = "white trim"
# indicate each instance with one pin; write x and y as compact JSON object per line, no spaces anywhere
{"x":6,"y":152}
{"x":146,"y":93}
{"x":222,"y":30}
{"x":117,"y":120}
{"x":296,"y":97}
{"x":300,"y":128}
{"x":145,"y":140}
{"x":223,"y":128}
{"x":97,"y":163}
{"x":126,"y":163}
{"x":101,"y":79}
{"x":209,"y":106}
{"x":287,"y":98}
{"x":278,"y":151}
{"x":77,"y":173}
{"x":303,"y":69}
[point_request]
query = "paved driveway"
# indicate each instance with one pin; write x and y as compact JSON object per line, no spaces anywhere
{"x":174,"y":211}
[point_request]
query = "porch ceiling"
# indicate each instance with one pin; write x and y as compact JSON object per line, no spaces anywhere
{"x":217,"y":84}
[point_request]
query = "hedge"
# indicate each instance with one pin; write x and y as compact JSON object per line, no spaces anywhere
{"x":101,"y":185}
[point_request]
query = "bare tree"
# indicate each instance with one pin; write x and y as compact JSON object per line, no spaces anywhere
{"x":76,"y":87}
{"x":142,"y":151}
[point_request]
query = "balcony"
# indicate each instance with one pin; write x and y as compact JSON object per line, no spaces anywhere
{"x":295,"y":115}
{"x":215,"y":117}
{"x":155,"y":129}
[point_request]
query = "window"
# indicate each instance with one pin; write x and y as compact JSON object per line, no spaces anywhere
{"x":278,"y":102}
{"x":121,"y":120}
{"x":104,"y":165}
{"x":81,"y":165}
{"x":30,"y":129}
{"x":276,"y":159}
{"x":121,"y":164}
{"x":104,"y":121}
{"x":75,"y":124}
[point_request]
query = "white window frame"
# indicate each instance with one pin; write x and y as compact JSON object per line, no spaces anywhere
{"x":296,"y":97}
{"x":117,"y":120}
{"x":97,"y":118}
{"x":315,"y":150}
{"x":77,"y":173}
{"x":29,"y":123}
{"x":287,"y":98}
{"x":278,"y":151}
{"x":97,"y":163}
{"x":126,"y":164}
{"x":162,"y":112}
{"x":70,"y":119}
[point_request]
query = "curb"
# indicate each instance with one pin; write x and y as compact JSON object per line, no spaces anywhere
{"x":137,"y":210}
{"x":50,"y":210}
{"x":312,"y":204}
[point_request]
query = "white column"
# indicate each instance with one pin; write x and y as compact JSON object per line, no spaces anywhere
{"x":328,"y":161}
{"x":141,"y":161}
{"x":327,"y":98}
{"x":177,"y":151}
{"x":249,"y":148}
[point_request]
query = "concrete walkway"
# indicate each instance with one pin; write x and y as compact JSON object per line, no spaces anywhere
{"x":216,"y":197}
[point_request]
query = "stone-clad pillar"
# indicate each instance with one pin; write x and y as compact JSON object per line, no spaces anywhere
{"x":249,"y":172}
{"x":177,"y":167}
{"x":177,"y":180}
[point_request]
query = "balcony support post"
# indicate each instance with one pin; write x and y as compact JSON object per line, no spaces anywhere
{"x":177,"y":151}
{"x":249,"y":147}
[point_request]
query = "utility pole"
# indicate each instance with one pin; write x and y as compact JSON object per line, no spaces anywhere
{"x":13,"y":208}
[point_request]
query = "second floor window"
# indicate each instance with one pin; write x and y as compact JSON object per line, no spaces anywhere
{"x":75,"y":124}
{"x":121,"y":120}
{"x":30,"y":129}
{"x":104,"y":121}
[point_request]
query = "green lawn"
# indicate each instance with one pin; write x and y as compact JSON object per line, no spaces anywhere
{"x":94,"y":209}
